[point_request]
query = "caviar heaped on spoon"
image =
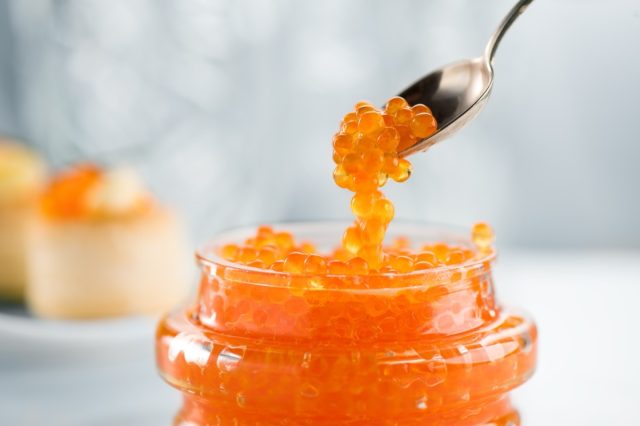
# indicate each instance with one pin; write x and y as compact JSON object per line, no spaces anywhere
{"x":365,"y":151}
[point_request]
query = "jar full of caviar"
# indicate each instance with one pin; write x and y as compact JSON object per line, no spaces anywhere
{"x":265,"y":347}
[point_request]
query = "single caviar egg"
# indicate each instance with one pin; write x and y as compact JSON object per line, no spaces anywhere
{"x":277,"y":266}
{"x":404,"y":116}
{"x":420,"y":109}
{"x":337,"y":267}
{"x":230,"y":252}
{"x":357,"y":266}
{"x":342,"y":143}
{"x":370,"y":122}
{"x":482,"y":235}
{"x":247,"y":254}
{"x":395,"y":104}
{"x":266,"y":256}
{"x":423,"y":125}
{"x":294,"y":262}
{"x":389,"y":139}
{"x":315,"y":264}
{"x":402,"y":172}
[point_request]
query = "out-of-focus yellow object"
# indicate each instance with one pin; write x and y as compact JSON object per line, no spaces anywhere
{"x":22,"y":173}
{"x":100,"y":246}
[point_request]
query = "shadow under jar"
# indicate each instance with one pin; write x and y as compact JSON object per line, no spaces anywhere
{"x":260,"y":347}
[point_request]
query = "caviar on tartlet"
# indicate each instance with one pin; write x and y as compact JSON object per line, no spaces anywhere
{"x":102,"y":246}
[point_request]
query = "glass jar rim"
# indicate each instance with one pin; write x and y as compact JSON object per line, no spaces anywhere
{"x":207,"y":254}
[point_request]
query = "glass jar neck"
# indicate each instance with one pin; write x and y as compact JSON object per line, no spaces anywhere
{"x":383,"y":308}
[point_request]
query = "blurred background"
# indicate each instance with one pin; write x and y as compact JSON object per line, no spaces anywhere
{"x":228,"y":108}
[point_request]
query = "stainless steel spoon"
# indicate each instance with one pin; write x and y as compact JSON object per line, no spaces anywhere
{"x":457,"y":92}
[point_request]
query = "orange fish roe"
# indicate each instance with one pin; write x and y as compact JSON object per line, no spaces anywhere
{"x":87,"y":190}
{"x":66,"y":193}
{"x":482,"y":236}
{"x":279,"y":251}
{"x":365,"y":151}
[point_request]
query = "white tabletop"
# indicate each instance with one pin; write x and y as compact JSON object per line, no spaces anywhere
{"x":586,"y":306}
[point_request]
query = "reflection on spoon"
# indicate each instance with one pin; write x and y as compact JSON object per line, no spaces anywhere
{"x":457,"y":92}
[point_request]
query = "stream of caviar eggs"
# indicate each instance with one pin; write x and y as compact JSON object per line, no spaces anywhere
{"x":365,"y":151}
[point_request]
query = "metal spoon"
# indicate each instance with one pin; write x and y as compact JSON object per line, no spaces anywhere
{"x":457,"y":92}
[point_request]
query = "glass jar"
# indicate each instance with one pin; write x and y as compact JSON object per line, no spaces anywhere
{"x":260,"y":347}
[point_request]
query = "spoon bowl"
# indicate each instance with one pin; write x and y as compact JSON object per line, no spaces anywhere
{"x":457,"y":92}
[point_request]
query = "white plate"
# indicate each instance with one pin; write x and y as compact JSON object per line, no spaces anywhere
{"x":17,"y":323}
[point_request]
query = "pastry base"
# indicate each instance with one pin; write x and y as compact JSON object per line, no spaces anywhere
{"x":107,"y":267}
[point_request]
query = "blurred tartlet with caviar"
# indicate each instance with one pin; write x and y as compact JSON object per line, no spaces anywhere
{"x":100,"y":246}
{"x":22,"y":174}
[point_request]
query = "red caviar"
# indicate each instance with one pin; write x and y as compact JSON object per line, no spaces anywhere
{"x":278,"y":250}
{"x":65,"y":195}
{"x":88,"y":191}
{"x":315,"y":340}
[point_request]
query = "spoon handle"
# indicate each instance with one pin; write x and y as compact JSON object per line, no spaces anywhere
{"x":513,"y":14}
